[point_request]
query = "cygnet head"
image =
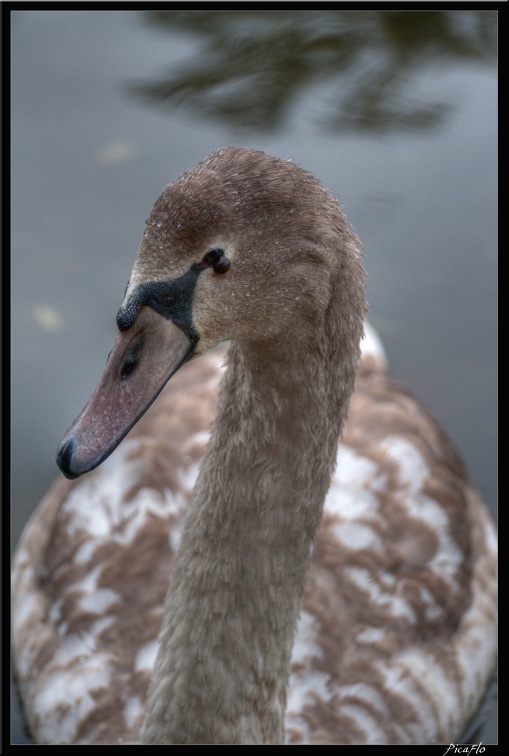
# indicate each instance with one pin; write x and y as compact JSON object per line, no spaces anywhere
{"x":245,"y":247}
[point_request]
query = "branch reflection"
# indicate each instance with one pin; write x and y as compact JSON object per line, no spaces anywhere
{"x":363,"y":67}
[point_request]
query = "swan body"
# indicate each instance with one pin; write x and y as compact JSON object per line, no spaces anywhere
{"x":320,"y":591}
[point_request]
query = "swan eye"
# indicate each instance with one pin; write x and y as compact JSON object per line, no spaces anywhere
{"x":216,"y":258}
{"x":222,"y":265}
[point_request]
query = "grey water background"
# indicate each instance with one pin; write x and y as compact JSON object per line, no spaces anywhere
{"x":395,"y":112}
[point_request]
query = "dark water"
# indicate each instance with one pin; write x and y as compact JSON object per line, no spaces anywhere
{"x":395,"y":112}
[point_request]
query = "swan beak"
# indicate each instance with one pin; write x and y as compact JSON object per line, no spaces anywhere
{"x":142,"y":360}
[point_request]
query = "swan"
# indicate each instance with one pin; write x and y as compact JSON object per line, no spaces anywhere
{"x":319,"y":591}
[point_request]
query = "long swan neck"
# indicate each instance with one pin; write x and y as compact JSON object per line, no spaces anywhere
{"x":224,"y":660}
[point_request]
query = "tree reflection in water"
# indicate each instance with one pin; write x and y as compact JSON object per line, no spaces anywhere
{"x":254,"y":66}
